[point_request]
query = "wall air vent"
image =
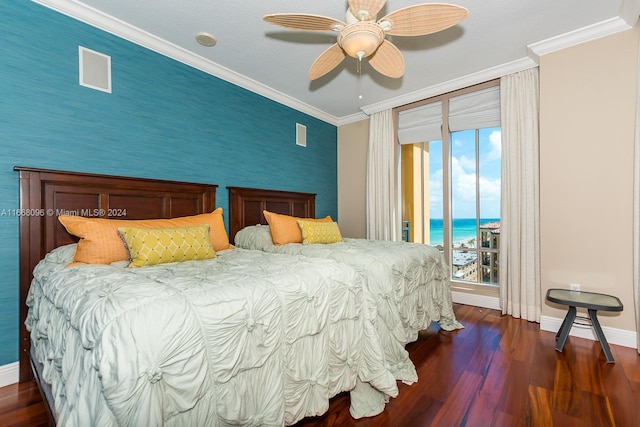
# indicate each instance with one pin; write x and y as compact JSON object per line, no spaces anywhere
{"x":95,"y":69}
{"x":301,"y":135}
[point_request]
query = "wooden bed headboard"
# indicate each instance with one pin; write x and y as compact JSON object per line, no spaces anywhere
{"x":46,"y":194}
{"x":246,"y":206}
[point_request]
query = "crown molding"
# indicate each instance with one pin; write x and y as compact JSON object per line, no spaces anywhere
{"x":98,"y":19}
{"x":102,"y":21}
{"x":454,"y":84}
{"x":629,"y":11}
{"x":535,"y":50}
{"x":355,"y":117}
{"x":579,"y":36}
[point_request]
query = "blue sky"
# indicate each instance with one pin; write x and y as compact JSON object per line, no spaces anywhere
{"x":463,"y":169}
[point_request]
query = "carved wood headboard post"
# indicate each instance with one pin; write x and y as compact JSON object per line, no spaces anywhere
{"x":27,"y":248}
{"x":246,"y":206}
{"x":46,"y":194}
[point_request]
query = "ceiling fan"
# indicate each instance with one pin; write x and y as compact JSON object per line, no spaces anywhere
{"x":361,"y":36}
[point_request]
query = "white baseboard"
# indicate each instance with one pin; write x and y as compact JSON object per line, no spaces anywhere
{"x":476,"y":300}
{"x":613,"y":335}
{"x":9,"y":374}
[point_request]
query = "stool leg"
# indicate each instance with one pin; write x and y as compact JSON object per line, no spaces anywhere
{"x":563,"y":325}
{"x":600,"y":335}
{"x":567,"y":323}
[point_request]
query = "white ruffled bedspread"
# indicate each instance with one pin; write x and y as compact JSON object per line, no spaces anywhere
{"x":409,"y":282}
{"x":248,"y":338}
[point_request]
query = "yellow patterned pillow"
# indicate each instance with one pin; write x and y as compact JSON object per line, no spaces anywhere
{"x":150,"y":246}
{"x":319,"y":232}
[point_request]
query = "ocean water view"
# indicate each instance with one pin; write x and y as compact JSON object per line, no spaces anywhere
{"x":463,"y":229}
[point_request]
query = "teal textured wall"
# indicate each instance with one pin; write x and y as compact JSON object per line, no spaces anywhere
{"x":163,"y":120}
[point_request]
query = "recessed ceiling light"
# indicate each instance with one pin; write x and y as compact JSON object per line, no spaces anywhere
{"x":206,"y":39}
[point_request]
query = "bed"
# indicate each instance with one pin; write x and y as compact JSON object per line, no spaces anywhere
{"x":409,"y":281}
{"x":242,"y":338}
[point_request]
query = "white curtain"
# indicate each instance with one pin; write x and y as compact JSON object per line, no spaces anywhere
{"x":382,"y":203}
{"x":520,"y":291}
{"x":636,"y":212}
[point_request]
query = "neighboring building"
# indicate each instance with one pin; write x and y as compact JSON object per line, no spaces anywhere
{"x":489,"y":251}
{"x":465,"y":263}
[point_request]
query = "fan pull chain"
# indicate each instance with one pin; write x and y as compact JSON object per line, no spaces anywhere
{"x":359,"y":70}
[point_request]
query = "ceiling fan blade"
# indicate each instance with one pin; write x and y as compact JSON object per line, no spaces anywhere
{"x":371,"y":6}
{"x":303,"y":21}
{"x":327,"y":61}
{"x":388,"y":60}
{"x":424,"y":19}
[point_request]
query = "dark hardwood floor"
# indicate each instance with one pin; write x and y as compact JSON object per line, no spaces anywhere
{"x":498,"y":371}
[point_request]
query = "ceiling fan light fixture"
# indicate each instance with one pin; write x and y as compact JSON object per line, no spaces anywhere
{"x":360,"y":39}
{"x":360,"y":36}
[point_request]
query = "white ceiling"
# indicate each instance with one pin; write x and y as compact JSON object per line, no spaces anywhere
{"x":498,"y":37}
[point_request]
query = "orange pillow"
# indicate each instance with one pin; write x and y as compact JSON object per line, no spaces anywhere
{"x":285,"y":229}
{"x":100,"y":243}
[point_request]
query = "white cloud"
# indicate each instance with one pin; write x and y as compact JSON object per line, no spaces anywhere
{"x":464,"y":184}
{"x":467,"y":163}
{"x":495,"y":140}
{"x":464,"y":191}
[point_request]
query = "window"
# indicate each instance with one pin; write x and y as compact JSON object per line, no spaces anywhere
{"x":451,"y":180}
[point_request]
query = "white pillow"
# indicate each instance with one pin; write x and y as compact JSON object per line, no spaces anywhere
{"x":255,"y":237}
